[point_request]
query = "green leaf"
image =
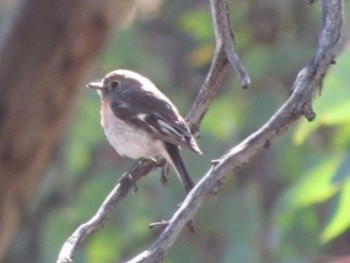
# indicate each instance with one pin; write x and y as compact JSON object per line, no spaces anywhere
{"x":106,"y":246}
{"x":86,"y":133}
{"x":341,"y":219}
{"x":256,"y":61}
{"x":304,"y":130}
{"x":317,"y":185}
{"x":341,"y":139}
{"x":339,"y":114}
{"x":198,"y":24}
{"x":223,"y":117}
{"x":336,"y":115}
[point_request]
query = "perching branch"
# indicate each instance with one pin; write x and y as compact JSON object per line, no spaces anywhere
{"x":109,"y":204}
{"x":224,"y":53}
{"x":308,"y":80}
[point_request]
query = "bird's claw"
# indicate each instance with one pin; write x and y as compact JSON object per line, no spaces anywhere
{"x":133,"y":182}
{"x":164,"y":174}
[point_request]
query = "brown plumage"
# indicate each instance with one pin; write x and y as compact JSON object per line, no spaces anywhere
{"x":141,"y":122}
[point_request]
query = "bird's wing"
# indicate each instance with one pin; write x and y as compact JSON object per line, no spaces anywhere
{"x":154,"y":113}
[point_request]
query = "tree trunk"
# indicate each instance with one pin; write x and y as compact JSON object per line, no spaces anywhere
{"x":46,"y":55}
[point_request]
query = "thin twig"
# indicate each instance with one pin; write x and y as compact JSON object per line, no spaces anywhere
{"x":223,"y":31}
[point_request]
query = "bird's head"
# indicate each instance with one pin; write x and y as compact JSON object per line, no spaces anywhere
{"x":119,"y":80}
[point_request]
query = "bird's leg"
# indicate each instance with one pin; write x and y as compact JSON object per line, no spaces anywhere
{"x":130,"y":176}
{"x":164,"y":174}
{"x":165,"y":169}
{"x":133,"y":182}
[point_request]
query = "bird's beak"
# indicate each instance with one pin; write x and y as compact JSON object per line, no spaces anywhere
{"x":95,"y":85}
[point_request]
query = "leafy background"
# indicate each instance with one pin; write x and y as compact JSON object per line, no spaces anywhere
{"x":289,"y":204}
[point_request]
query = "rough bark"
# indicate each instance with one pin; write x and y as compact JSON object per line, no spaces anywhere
{"x":46,"y":55}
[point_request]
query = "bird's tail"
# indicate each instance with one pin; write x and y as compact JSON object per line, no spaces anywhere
{"x":174,"y":158}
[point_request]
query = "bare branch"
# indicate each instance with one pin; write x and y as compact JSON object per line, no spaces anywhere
{"x":297,"y":105}
{"x":127,"y":180}
{"x":224,"y":52}
{"x":225,"y":38}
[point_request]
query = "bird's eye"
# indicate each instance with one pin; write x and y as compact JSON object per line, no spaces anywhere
{"x":114,"y":84}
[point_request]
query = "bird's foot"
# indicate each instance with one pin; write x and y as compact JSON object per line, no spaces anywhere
{"x":164,"y":174}
{"x":165,"y":169}
{"x":133,"y":182}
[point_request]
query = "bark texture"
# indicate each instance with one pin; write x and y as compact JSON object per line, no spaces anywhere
{"x":46,"y":55}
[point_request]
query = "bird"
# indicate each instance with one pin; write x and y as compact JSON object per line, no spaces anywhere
{"x":140,"y":122}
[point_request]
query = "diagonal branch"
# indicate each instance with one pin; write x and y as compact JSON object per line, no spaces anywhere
{"x":224,"y":53}
{"x":126,"y":181}
{"x":299,"y":103}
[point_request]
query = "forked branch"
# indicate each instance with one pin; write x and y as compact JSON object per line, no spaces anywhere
{"x":224,"y":53}
{"x":308,"y":80}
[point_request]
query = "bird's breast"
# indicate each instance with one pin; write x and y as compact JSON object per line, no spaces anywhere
{"x":126,"y":139}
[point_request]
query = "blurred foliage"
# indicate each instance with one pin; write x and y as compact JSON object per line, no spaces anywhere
{"x":289,"y":204}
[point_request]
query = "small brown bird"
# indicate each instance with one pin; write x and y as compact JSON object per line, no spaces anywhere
{"x":141,"y":122}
